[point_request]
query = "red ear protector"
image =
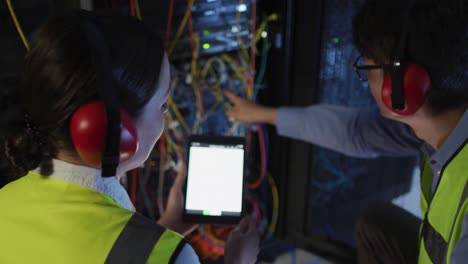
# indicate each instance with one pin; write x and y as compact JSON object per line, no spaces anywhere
{"x":415,"y":87}
{"x":406,"y":85}
{"x":102,"y":133}
{"x":88,"y":133}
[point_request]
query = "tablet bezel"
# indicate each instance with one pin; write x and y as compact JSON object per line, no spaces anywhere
{"x":208,"y":219}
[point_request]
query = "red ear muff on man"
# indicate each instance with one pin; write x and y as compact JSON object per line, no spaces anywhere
{"x":88,"y":133}
{"x":416,"y":85}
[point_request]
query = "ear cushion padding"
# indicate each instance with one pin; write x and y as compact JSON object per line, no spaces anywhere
{"x":88,"y":133}
{"x":416,"y":83}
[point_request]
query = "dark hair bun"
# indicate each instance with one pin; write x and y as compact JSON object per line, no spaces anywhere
{"x":20,"y":149}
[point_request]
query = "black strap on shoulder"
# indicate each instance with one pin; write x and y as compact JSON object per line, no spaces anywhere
{"x":177,"y":251}
{"x":435,"y":244}
{"x":136,"y":241}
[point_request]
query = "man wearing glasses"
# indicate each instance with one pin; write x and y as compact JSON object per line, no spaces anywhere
{"x":415,"y":61}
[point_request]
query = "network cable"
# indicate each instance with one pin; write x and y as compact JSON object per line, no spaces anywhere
{"x":17,"y":24}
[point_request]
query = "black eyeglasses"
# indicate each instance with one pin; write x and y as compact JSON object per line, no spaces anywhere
{"x":361,"y":68}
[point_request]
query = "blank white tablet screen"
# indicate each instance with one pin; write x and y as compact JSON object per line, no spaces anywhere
{"x":215,"y":179}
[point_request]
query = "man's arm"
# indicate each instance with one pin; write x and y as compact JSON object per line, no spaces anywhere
{"x":355,"y":132}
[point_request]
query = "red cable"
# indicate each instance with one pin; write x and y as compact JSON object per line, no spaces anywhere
{"x":162,"y":156}
{"x":169,"y":23}
{"x":261,"y":140}
{"x":248,"y":140}
{"x":255,"y":209}
{"x":132,"y":7}
{"x":190,"y":28}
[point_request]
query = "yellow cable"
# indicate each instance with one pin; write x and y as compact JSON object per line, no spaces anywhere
{"x":17,"y":24}
{"x":247,"y":74}
{"x":167,"y":120}
{"x":178,"y":114}
{"x":235,"y":67}
{"x":275,"y":211}
{"x":260,"y":30}
{"x":173,"y":130}
{"x":209,"y":68}
{"x":137,"y":9}
{"x":169,"y":143}
{"x":273,"y":17}
{"x":180,"y":30}
{"x":195,"y":83}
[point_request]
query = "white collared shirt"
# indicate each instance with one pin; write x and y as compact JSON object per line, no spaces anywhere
{"x":91,"y":178}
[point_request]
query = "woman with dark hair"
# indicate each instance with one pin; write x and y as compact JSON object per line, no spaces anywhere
{"x":56,"y":208}
{"x":414,"y":56}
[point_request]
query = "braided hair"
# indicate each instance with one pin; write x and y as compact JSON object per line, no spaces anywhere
{"x":23,"y":146}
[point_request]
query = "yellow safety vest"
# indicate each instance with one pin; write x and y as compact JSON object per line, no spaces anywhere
{"x":445,"y":210}
{"x":47,"y":220}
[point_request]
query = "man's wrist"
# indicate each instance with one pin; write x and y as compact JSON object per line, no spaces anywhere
{"x":269,"y":115}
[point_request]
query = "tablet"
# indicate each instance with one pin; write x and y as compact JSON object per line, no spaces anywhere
{"x":214,"y":188}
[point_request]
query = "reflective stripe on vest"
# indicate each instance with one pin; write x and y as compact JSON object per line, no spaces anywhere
{"x":435,"y":245}
{"x":136,"y":241}
{"x":441,"y":227}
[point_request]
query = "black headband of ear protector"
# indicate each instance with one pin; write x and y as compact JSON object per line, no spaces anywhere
{"x":101,"y":59}
{"x":396,"y":71}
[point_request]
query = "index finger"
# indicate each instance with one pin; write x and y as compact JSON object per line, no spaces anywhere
{"x":234,"y":98}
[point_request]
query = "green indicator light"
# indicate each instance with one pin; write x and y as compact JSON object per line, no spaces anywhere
{"x":336,"y":40}
{"x":206,"y":212}
{"x":206,"y":32}
{"x":206,"y":46}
